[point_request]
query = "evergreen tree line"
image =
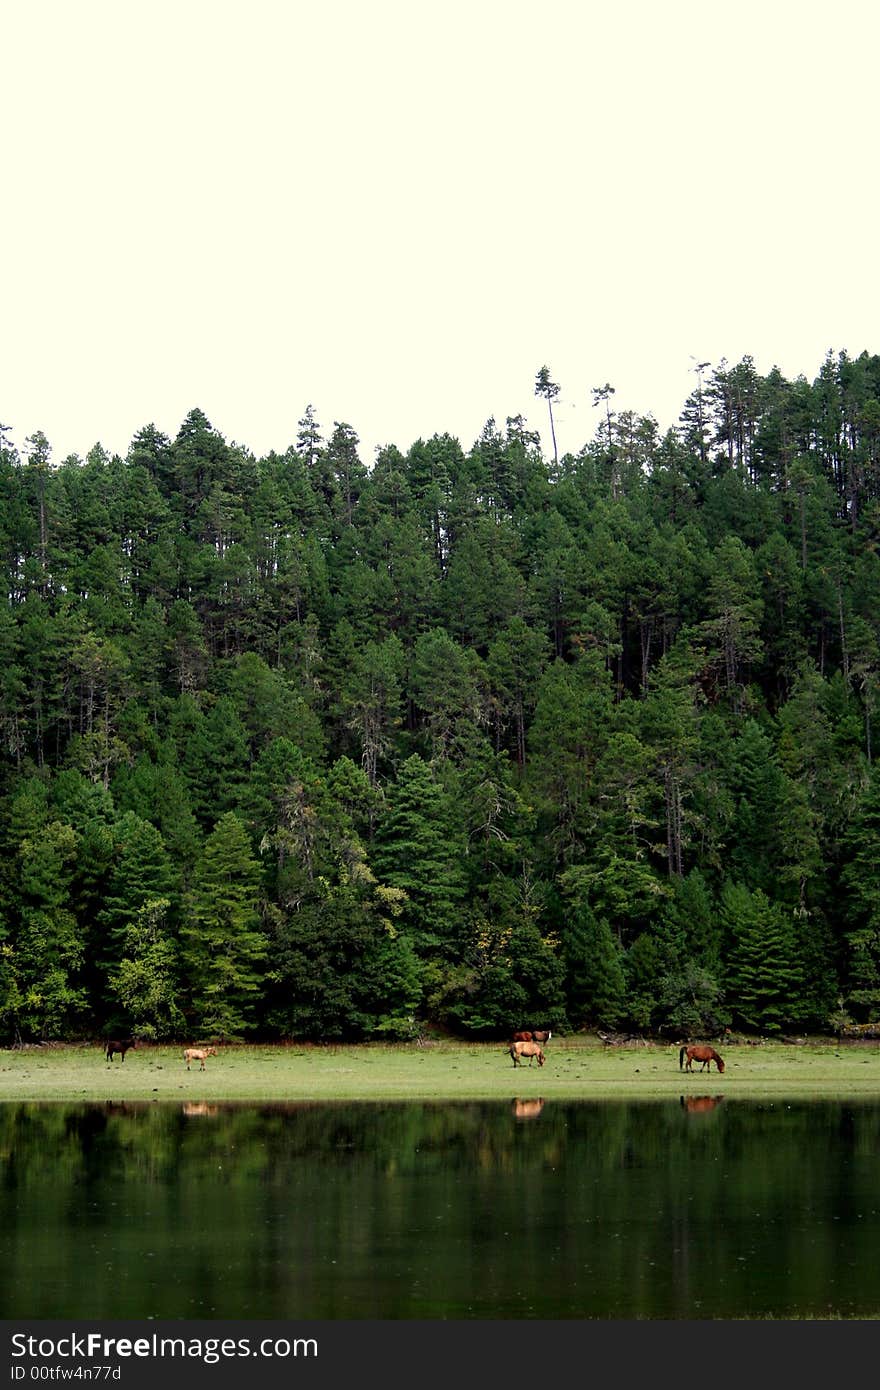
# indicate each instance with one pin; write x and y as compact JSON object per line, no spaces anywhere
{"x":297,"y":748}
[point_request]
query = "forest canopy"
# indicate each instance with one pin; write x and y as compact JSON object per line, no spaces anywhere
{"x":294,"y":747}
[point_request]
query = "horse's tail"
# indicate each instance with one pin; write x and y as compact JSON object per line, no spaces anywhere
{"x":681,"y":1052}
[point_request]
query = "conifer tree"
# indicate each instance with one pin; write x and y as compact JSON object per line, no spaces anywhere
{"x":417,"y":848}
{"x":764,"y":976}
{"x":595,"y":980}
{"x":222,"y":943}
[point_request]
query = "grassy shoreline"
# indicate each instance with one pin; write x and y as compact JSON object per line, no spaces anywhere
{"x":577,"y":1068}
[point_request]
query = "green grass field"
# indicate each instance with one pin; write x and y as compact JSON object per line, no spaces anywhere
{"x":577,"y":1068}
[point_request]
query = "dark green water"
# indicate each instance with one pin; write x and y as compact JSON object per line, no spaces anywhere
{"x":584,"y":1210}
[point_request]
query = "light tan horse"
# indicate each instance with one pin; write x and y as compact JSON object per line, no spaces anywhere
{"x":198,"y":1054}
{"x":518,"y":1050}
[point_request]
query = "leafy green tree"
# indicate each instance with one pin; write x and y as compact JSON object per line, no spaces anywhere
{"x":144,"y":984}
{"x":511,"y":973}
{"x":49,"y":949}
{"x":341,"y":967}
{"x":222,"y":944}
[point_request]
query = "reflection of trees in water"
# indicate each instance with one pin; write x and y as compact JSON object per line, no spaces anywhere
{"x":154,"y":1143}
{"x":637,"y":1186}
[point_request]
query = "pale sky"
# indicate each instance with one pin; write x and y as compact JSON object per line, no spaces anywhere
{"x":398,"y":212}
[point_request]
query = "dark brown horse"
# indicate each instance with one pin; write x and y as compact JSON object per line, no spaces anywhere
{"x":538,"y":1036}
{"x":523,"y":1037}
{"x":120,"y":1045}
{"x":702,"y":1053}
{"x":518,"y":1050}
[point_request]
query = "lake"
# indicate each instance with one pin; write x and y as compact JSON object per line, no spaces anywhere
{"x":555,"y":1210}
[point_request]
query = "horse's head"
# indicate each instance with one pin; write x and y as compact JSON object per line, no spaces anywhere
{"x":719,"y":1062}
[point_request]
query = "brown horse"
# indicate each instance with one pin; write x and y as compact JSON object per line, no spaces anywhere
{"x":518,"y":1050}
{"x":541,"y":1036}
{"x":523,"y":1037}
{"x":701,"y":1053}
{"x":198,"y":1054}
{"x":120,"y":1045}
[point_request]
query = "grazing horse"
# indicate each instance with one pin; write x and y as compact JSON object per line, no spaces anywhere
{"x":518,"y":1050}
{"x":700,"y":1053}
{"x":198,"y":1054}
{"x":533,"y":1036}
{"x":120,"y":1045}
{"x":522,"y":1037}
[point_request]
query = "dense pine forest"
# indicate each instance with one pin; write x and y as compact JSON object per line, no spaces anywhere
{"x":468,"y":739}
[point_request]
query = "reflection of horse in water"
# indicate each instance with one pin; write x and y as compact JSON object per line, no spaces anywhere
{"x":528,"y":1109}
{"x":696,"y":1105}
{"x":701,"y":1053}
{"x":199,"y":1108}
